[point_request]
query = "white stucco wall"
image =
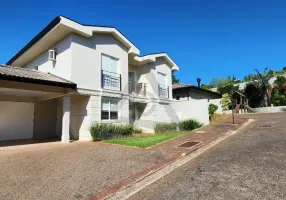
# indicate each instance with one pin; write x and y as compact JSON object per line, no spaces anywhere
{"x":152,"y":113}
{"x":271,"y":109}
{"x":196,"y":109}
{"x":86,"y":60}
{"x":16,"y":120}
{"x":62,"y":67}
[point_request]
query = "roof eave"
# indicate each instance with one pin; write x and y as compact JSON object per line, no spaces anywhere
{"x":37,"y":81}
{"x":85,"y":30}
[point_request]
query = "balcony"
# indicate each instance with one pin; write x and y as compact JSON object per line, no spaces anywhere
{"x":163,"y":91}
{"x":110,"y":80}
{"x":137,"y":89}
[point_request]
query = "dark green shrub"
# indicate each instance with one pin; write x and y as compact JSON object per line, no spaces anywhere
{"x":212,"y":109}
{"x":165,"y":127}
{"x":278,"y":99}
{"x":189,"y":124}
{"x":137,"y":130}
{"x":102,"y":131}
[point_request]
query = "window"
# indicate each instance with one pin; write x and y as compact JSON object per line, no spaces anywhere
{"x":109,"y":64}
{"x":109,"y":109}
{"x":110,"y":78}
{"x":162,"y":79}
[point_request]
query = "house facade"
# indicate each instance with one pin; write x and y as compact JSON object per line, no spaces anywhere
{"x":112,"y":82}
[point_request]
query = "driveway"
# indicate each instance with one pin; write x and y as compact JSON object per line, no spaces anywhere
{"x":248,"y":165}
{"x":68,"y":171}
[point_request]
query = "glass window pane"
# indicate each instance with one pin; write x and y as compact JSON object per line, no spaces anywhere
{"x":113,"y":105}
{"x":161,"y":78}
{"x":109,"y":64}
{"x":104,"y":115}
{"x":113,"y":115}
{"x":105,"y":104}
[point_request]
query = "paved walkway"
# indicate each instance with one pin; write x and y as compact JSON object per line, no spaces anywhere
{"x":81,"y":170}
{"x":248,"y":165}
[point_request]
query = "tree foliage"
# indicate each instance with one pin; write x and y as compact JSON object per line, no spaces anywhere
{"x":263,"y":81}
{"x":174,"y":79}
{"x":225,"y":85}
{"x":253,"y":92}
{"x":225,"y":101}
{"x":278,"y":96}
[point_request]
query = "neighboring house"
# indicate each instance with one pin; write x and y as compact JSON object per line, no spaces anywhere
{"x":190,"y":92}
{"x":186,"y":92}
{"x":71,"y":75}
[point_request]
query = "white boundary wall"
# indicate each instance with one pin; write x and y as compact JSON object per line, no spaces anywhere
{"x":270,"y":109}
{"x":196,"y":109}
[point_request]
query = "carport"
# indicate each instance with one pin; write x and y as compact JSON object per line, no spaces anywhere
{"x":34,"y":105}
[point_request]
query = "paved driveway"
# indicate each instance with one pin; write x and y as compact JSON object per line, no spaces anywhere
{"x":249,"y":165}
{"x":68,"y":171}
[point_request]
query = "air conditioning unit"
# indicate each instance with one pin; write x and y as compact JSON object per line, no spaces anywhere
{"x":52,"y":54}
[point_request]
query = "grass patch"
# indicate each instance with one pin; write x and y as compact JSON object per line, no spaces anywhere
{"x":145,"y":141}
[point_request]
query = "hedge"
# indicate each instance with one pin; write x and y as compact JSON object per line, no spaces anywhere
{"x":165,"y":127}
{"x":189,"y":124}
{"x":103,"y":131}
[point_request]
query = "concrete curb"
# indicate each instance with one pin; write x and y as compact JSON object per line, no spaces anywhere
{"x":133,"y":188}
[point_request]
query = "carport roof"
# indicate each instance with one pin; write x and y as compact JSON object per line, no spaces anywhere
{"x":33,"y":76}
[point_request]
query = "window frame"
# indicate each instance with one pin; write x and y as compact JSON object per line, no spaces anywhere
{"x":109,"y":110}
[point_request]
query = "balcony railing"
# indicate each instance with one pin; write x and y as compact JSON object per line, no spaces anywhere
{"x":163,"y":91}
{"x":110,"y":80}
{"x":137,"y":89}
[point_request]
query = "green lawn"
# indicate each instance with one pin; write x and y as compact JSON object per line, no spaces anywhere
{"x":145,"y":141}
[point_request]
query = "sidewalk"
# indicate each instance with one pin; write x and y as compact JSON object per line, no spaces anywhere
{"x":171,"y":152}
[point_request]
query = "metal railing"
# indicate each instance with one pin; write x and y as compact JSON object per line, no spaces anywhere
{"x":163,"y":91}
{"x":110,"y":80}
{"x":137,"y":89}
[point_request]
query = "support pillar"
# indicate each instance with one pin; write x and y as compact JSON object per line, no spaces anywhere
{"x":66,"y":120}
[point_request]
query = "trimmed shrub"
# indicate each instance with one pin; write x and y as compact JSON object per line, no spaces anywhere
{"x":165,"y":127}
{"x":102,"y":131}
{"x":189,"y":124}
{"x":137,"y":130}
{"x":212,"y":109}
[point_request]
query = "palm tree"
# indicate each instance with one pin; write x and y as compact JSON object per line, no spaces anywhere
{"x":263,"y":80}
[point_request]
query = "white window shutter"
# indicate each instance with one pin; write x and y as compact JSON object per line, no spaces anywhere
{"x":109,"y":64}
{"x":161,"y":79}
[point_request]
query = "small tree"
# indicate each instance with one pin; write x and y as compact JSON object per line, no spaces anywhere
{"x":212,"y":109}
{"x":263,"y":80}
{"x":225,"y":102}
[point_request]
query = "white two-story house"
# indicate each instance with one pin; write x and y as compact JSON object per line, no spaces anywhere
{"x":71,"y":75}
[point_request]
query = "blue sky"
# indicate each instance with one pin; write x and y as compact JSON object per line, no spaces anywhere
{"x":206,"y":38}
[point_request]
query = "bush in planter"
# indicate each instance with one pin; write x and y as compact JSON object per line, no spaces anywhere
{"x":102,"y":131}
{"x":165,"y":127}
{"x":189,"y":124}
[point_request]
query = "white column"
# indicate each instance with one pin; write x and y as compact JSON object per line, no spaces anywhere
{"x":66,"y":120}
